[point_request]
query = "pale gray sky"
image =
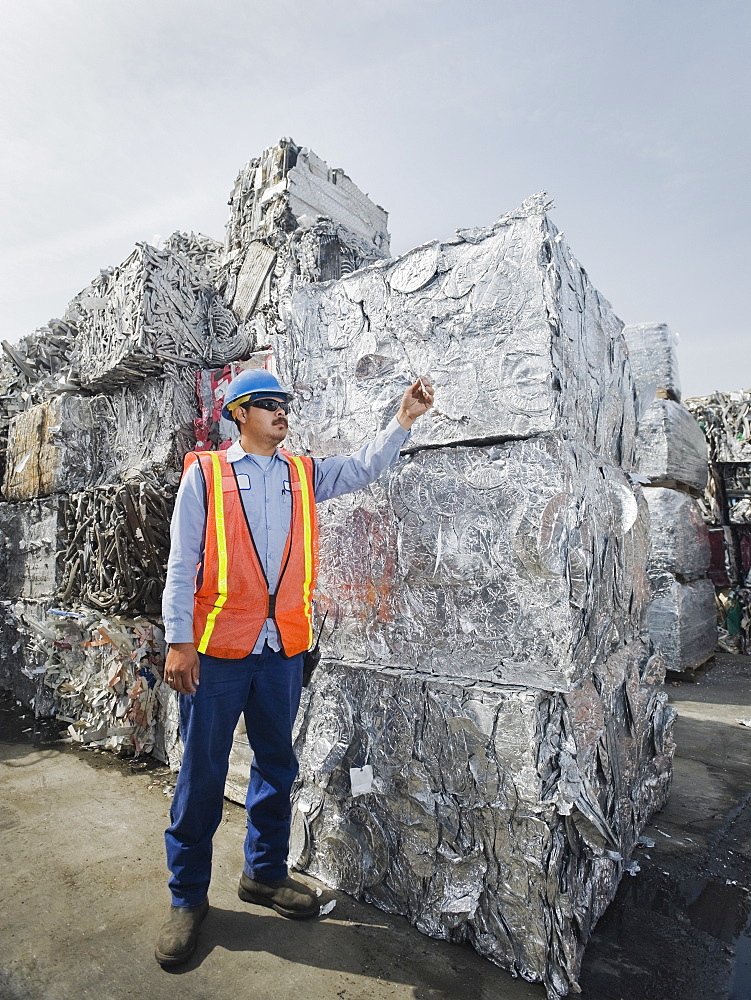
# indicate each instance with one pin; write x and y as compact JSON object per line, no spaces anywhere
{"x":123,"y":120}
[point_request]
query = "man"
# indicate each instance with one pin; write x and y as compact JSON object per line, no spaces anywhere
{"x":238,"y":621}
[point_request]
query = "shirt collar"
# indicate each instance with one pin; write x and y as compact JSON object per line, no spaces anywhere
{"x":236,"y":451}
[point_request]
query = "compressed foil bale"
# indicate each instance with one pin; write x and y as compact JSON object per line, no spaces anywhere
{"x":682,"y":621}
{"x":132,"y":319}
{"x":678,"y":536}
{"x":499,"y":816}
{"x":652,"y":351}
{"x":503,"y":320}
{"x":672,"y":448}
{"x":520,"y":563}
{"x":32,"y":369}
{"x":30,"y":535}
{"x":146,"y":428}
{"x":53,"y":448}
{"x":69,"y":442}
{"x":23,"y":656}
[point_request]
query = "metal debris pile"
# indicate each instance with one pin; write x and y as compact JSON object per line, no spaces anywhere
{"x":487,"y":735}
{"x":94,"y":445}
{"x":105,"y":675}
{"x":673,"y":461}
{"x":725,"y":419}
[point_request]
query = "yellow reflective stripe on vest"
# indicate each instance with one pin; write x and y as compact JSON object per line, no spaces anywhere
{"x":306,"y":502}
{"x":221,"y":548}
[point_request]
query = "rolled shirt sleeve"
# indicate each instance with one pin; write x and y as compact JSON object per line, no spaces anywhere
{"x":342,"y":474}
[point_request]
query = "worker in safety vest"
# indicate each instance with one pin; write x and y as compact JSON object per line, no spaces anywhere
{"x":238,"y":620}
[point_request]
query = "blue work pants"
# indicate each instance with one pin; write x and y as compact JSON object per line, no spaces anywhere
{"x":266,"y":688}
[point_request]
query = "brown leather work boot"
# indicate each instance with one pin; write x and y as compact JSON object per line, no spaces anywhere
{"x":178,"y":935}
{"x":289,"y":897}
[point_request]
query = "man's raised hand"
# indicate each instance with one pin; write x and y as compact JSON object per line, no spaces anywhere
{"x":416,"y":400}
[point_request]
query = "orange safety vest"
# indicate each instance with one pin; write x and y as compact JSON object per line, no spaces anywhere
{"x":232,"y":599}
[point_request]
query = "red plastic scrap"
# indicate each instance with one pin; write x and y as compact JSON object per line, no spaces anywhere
{"x":211,"y":384}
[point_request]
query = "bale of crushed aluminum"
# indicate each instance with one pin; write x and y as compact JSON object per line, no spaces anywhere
{"x":499,"y":816}
{"x":725,"y":418}
{"x":23,"y":662}
{"x":53,"y":447}
{"x":32,"y":369}
{"x":292,"y":219}
{"x":678,"y":536}
{"x":491,"y":562}
{"x":70,"y":443}
{"x":504,"y":321}
{"x":672,"y":448}
{"x":30,"y":535}
{"x":152,"y":309}
{"x":115,"y":547}
{"x":520,"y":563}
{"x":652,"y":351}
{"x":682,"y":620}
{"x":147,"y":428}
{"x":288,"y":183}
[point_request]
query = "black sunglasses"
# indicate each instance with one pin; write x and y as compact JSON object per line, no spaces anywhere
{"x":272,"y":405}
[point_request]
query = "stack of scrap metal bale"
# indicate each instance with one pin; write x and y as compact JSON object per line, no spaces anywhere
{"x":486,"y":735}
{"x":99,"y":410}
{"x":725,"y":418}
{"x":673,"y":462}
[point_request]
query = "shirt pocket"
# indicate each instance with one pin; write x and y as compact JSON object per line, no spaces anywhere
{"x":284,"y":513}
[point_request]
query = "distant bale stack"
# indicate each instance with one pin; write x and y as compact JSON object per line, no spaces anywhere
{"x":682,"y":616}
{"x":673,"y":463}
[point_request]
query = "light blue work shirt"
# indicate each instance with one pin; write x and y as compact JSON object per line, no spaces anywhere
{"x":265,"y":491}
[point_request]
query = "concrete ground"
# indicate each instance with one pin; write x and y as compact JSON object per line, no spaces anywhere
{"x":83,"y":889}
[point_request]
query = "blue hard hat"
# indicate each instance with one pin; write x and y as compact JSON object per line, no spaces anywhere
{"x":252,"y":383}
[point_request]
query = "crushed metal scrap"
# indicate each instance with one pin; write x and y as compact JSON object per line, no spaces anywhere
{"x":725,"y":418}
{"x":486,"y":735}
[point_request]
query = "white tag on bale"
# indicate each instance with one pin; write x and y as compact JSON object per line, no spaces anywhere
{"x":361,"y":779}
